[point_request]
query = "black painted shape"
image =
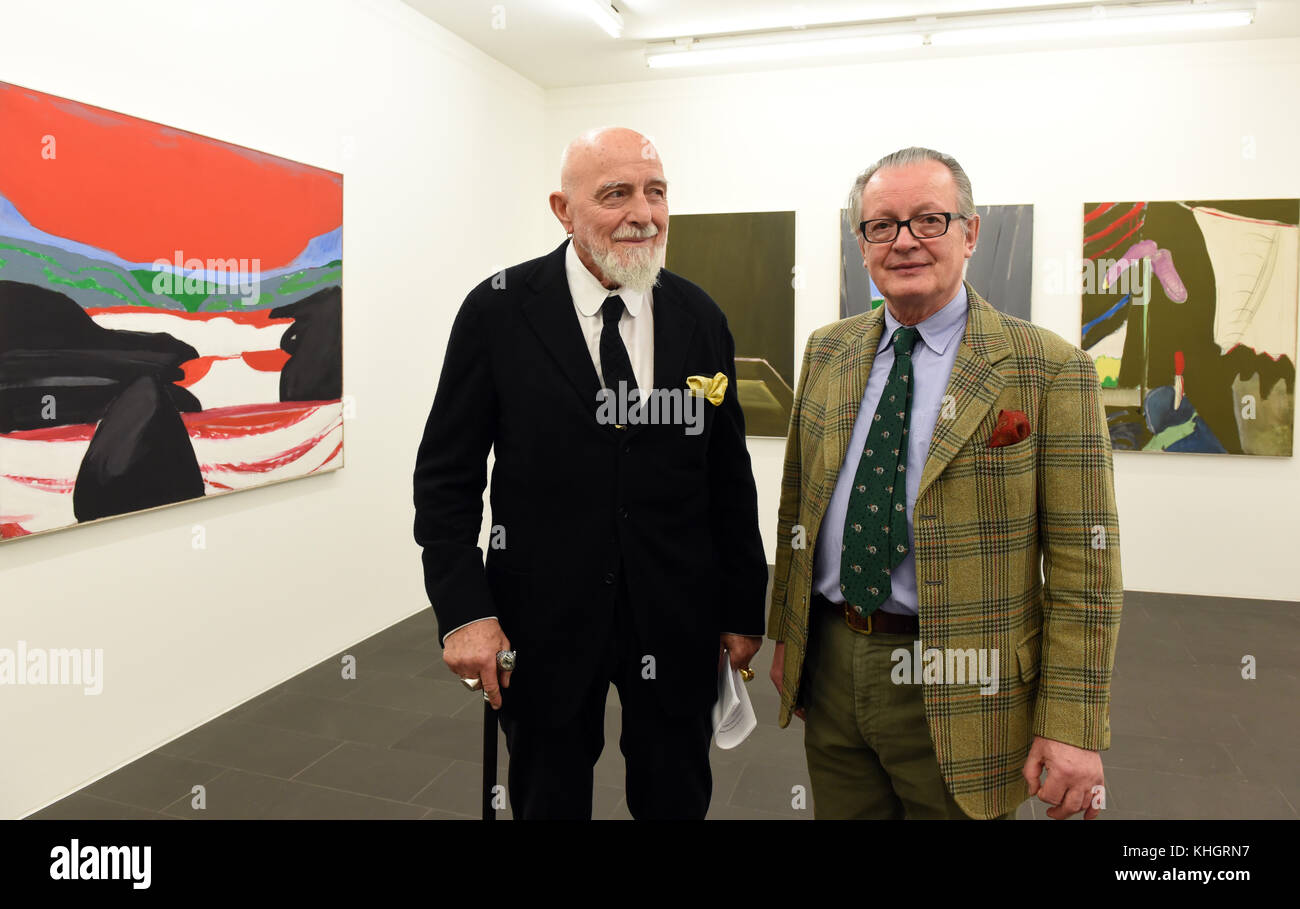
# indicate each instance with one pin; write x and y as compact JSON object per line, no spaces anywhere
{"x":49,"y":346}
{"x":314,"y":342}
{"x":140,"y":456}
{"x":83,"y":383}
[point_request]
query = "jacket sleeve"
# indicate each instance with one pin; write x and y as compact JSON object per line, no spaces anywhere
{"x":451,"y":472}
{"x":1079,"y":533}
{"x":733,"y":500}
{"x":788,"y":511}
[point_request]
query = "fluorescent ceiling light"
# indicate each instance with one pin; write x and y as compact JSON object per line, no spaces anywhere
{"x":1103,"y":26}
{"x":602,"y":12}
{"x":1078,"y":22}
{"x":700,"y":54}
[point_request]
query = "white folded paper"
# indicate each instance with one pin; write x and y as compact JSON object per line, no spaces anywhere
{"x":733,"y":714}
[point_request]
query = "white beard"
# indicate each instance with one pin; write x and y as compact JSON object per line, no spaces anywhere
{"x":636,"y":269}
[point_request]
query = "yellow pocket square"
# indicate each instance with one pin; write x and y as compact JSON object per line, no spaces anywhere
{"x":714,"y":389}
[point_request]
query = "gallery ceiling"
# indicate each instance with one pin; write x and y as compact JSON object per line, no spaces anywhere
{"x":555,"y":43}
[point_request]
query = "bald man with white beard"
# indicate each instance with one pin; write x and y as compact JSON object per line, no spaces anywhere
{"x":625,"y":545}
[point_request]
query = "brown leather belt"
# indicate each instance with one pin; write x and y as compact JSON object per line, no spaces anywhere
{"x":879,"y":622}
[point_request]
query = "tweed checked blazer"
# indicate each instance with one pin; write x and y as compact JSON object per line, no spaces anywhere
{"x":983,"y":520}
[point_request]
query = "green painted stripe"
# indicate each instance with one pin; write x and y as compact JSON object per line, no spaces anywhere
{"x":1166,"y":437}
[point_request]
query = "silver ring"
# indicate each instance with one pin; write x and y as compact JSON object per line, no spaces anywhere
{"x":486,"y":698}
{"x":506,"y":660}
{"x":472,"y":684}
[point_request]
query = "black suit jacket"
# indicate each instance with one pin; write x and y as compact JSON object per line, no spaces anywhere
{"x":579,"y":502}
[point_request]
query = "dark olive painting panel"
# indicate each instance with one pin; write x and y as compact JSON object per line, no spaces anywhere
{"x":745,"y":261}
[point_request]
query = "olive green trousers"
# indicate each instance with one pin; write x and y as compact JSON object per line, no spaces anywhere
{"x":870,"y":755}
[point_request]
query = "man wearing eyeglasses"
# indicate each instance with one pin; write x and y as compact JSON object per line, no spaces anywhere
{"x":939,"y":449}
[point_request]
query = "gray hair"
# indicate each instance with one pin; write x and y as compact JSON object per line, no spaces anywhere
{"x":902,"y":158}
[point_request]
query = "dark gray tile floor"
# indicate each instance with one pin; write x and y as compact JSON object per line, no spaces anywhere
{"x":1191,"y":738}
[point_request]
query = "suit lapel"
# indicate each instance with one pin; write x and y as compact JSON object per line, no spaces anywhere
{"x":847,"y":385}
{"x":549,"y":309}
{"x":974,"y":386}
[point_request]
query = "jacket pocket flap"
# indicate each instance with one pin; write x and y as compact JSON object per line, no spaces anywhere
{"x":1027,"y":655}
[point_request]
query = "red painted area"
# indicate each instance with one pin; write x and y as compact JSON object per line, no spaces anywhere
{"x":266,"y":465}
{"x":333,"y":454}
{"x":73,"y":432}
{"x":266,"y":360}
{"x":1136,"y":227}
{"x":261,"y":360}
{"x":248,"y":419}
{"x":1138,"y":208}
{"x":1227,"y":216}
{"x":1098,"y":211}
{"x":196,"y":369}
{"x":45,"y":484}
{"x":1178,"y":362}
{"x":260,"y":318}
{"x":1262,"y":353}
{"x":144,"y":190}
{"x":11,"y":529}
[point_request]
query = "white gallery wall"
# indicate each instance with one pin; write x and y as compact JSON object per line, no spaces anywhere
{"x":1187,"y":121}
{"x":447,"y":158}
{"x":440,"y":147}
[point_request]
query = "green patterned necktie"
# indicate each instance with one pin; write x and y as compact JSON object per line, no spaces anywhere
{"x":875,"y":525}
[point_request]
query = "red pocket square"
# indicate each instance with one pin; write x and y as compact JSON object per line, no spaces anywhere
{"x":1013,"y":427}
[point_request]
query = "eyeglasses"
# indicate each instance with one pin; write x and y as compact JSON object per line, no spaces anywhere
{"x":925,"y":226}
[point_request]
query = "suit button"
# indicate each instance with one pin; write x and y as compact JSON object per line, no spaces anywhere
{"x":622,"y":512}
{"x":609,"y":577}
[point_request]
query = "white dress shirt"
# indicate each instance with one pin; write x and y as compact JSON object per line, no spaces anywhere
{"x":636,"y":327}
{"x":933,"y":358}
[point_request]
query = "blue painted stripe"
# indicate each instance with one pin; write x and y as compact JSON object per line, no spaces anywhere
{"x":1106,"y":315}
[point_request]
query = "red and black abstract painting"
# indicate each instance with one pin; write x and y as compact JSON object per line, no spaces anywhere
{"x":171,"y":315}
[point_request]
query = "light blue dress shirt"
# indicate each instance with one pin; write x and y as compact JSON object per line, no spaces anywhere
{"x":932,"y":362}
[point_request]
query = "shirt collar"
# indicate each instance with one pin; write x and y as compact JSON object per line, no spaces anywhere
{"x":937,"y":329}
{"x":589,"y":294}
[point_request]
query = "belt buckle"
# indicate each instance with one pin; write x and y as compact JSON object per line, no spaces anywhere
{"x":848,"y":611}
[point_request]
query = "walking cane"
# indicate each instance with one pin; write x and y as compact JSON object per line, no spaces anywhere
{"x":505,"y":663}
{"x":489,"y":760}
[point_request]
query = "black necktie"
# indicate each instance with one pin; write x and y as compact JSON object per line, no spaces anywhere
{"x":615,"y":366}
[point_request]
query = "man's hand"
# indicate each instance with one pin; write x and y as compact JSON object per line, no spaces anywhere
{"x":741,"y":648}
{"x":778,"y":672}
{"x":1074,"y":778}
{"x":471,"y":653}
